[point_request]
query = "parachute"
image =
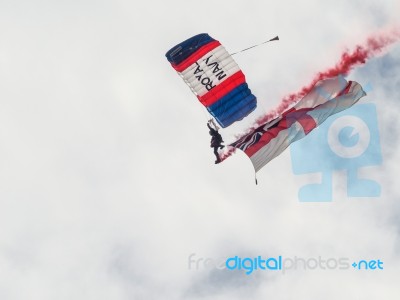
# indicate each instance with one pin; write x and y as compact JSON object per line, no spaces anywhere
{"x":214,"y":77}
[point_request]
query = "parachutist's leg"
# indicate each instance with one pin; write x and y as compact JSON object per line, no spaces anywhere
{"x":216,"y":152}
{"x":217,"y":155}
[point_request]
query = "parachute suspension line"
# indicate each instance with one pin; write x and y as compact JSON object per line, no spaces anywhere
{"x":207,"y":117}
{"x":205,"y":113}
{"x":255,"y":177}
{"x":274,"y":39}
{"x":210,"y":118}
{"x":215,"y":125}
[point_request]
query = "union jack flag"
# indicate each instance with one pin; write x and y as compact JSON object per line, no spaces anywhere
{"x":270,"y":139}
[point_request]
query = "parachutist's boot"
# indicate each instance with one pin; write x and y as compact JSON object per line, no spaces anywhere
{"x":221,"y":147}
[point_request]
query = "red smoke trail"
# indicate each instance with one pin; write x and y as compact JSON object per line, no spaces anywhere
{"x":227,"y":153}
{"x":349,"y":60}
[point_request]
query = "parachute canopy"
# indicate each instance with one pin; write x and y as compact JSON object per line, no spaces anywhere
{"x":214,"y":77}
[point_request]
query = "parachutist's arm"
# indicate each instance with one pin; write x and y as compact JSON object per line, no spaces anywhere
{"x":208,"y":125}
{"x":215,"y":126}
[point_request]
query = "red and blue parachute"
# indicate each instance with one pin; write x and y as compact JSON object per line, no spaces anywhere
{"x":214,"y":77}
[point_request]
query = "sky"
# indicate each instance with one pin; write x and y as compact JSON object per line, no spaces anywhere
{"x":108,"y":187}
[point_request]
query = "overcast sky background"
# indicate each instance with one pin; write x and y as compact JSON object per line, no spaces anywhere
{"x":107,"y":181}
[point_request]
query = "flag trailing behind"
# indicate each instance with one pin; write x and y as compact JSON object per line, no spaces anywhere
{"x":214,"y":77}
{"x":327,"y":98}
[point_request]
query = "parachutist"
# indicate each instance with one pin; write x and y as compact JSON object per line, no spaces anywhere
{"x":216,"y":140}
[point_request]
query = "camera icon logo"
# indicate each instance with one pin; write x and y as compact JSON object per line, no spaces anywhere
{"x":348,"y":137}
{"x":346,"y":141}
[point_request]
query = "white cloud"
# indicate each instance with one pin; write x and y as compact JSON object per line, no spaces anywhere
{"x":107,"y":183}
